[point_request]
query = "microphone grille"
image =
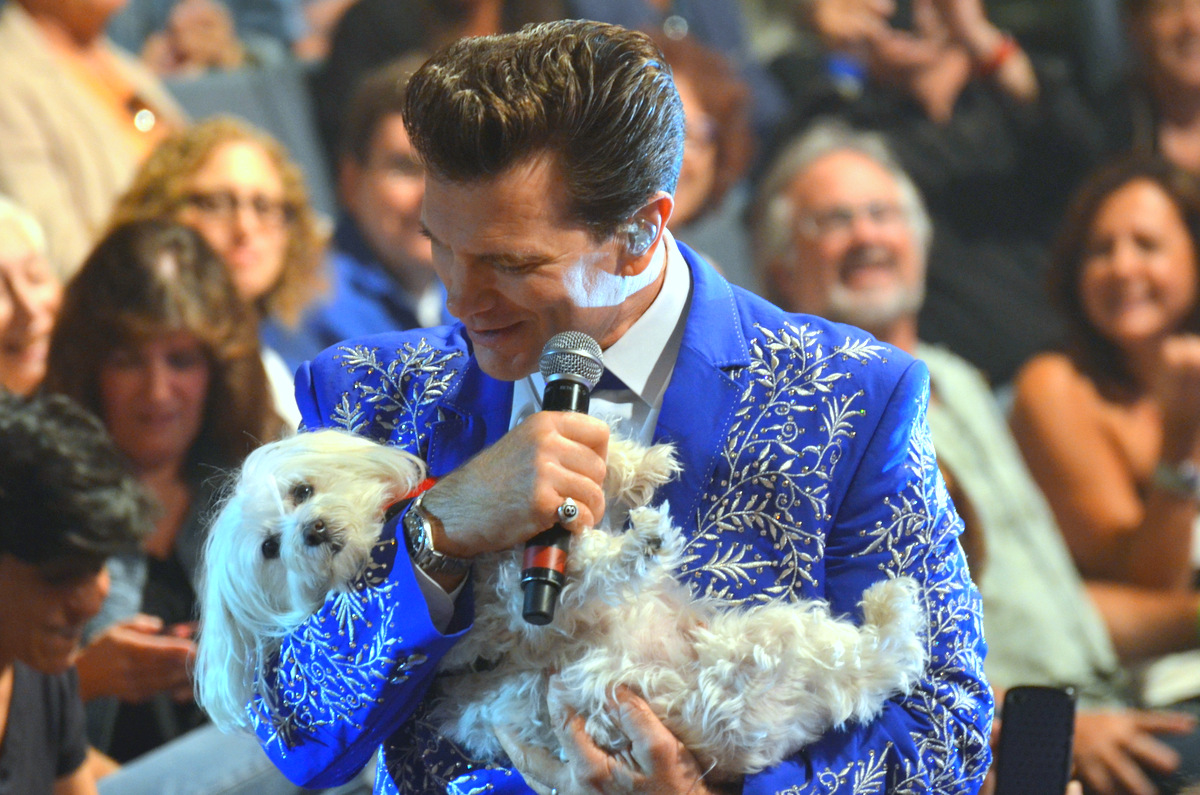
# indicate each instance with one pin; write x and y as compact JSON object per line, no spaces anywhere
{"x":572,"y":354}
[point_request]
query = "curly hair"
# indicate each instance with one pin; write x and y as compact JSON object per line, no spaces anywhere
{"x":161,"y":188}
{"x":144,"y":280}
{"x":1096,"y":355}
{"x":597,"y":96}
{"x":66,"y":492}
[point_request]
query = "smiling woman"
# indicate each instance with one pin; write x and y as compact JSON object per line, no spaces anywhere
{"x":1111,"y":426}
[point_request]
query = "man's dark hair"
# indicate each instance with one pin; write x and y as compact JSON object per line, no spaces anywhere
{"x":66,"y":492}
{"x":378,"y":96}
{"x":598,"y":97}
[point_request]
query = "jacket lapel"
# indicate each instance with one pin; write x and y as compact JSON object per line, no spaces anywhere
{"x":699,"y":403}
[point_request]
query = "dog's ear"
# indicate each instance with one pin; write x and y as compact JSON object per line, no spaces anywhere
{"x":227,"y":651}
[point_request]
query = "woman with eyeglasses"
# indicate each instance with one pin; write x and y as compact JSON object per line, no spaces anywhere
{"x":238,"y":188}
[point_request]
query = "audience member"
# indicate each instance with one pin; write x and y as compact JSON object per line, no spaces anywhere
{"x":237,"y":186}
{"x":29,"y":299}
{"x":994,"y":140}
{"x":1156,"y":109}
{"x":153,"y":339}
{"x":717,"y":152}
{"x":380,"y":273}
{"x":372,"y":33}
{"x":189,"y":37}
{"x":77,"y":115}
{"x":1111,"y":425}
{"x":67,"y":502}
{"x":843,"y":233}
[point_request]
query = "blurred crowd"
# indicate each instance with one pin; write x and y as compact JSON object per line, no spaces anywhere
{"x":196,"y":196}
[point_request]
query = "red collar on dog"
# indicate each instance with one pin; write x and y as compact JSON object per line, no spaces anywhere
{"x":398,"y":506}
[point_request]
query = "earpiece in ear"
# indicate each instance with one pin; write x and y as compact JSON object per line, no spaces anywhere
{"x":641,"y":235}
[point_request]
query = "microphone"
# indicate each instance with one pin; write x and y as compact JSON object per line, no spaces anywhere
{"x":572,"y":366}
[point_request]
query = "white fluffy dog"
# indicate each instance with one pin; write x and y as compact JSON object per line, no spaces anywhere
{"x":741,"y":688}
{"x":299,"y":524}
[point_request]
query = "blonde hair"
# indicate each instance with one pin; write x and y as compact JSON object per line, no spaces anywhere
{"x":160,"y":190}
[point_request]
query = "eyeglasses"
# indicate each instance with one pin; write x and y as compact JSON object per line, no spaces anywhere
{"x":224,"y":206}
{"x":840,"y":220}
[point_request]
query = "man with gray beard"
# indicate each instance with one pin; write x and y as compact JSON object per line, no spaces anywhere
{"x":841,"y":232}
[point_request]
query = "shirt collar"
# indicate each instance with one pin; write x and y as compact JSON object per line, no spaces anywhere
{"x":644,"y":356}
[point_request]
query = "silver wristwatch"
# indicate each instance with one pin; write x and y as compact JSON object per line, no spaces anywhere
{"x":419,"y":533}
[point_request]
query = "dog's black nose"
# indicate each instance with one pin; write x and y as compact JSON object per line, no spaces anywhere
{"x":315,"y":533}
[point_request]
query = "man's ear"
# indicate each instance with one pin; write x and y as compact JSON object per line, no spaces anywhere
{"x":641,"y":236}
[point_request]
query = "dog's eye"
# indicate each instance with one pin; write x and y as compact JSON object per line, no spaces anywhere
{"x":300,"y":492}
{"x":270,"y":547}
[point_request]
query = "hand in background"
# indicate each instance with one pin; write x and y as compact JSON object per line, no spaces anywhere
{"x":132,"y":661}
{"x":1177,"y":391}
{"x":1115,"y":749}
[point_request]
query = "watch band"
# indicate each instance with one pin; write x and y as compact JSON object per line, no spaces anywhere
{"x":418,"y":532}
{"x":1182,"y":479}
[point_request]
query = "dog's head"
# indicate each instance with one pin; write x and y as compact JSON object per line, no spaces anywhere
{"x":299,"y":522}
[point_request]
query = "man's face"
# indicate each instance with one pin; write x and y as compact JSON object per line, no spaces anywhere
{"x":855,"y":257}
{"x":45,"y":608}
{"x":384,"y":193}
{"x":517,"y":271}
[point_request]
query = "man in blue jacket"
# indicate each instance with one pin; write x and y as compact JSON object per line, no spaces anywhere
{"x":808,"y":470}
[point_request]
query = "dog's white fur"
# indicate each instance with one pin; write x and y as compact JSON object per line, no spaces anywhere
{"x":741,"y":688}
{"x":249,"y":602}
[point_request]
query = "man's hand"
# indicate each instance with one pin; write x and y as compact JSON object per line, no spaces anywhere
{"x":511,"y":491}
{"x":656,"y":762}
{"x":132,"y":661}
{"x":1115,"y":749}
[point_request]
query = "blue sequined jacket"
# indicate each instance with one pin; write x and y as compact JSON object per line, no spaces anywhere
{"x":808,"y":472}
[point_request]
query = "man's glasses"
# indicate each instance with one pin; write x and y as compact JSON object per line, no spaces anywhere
{"x":840,"y":220}
{"x":223,"y":205}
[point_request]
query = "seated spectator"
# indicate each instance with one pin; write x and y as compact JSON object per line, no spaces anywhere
{"x":1111,"y":425}
{"x":179,"y":38}
{"x":60,"y":474}
{"x":380,"y":269}
{"x":29,"y":297}
{"x":153,"y":339}
{"x":237,"y":186}
{"x":77,"y":116}
{"x":842,"y":232}
{"x":1156,"y":108}
{"x":717,"y":152}
{"x":995,"y":140}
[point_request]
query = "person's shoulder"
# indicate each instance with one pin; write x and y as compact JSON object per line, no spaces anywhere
{"x":1050,"y":377}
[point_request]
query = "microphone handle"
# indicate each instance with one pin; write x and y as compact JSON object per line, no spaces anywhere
{"x":544,"y":569}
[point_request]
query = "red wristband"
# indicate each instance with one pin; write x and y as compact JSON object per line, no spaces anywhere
{"x":1006,"y":49}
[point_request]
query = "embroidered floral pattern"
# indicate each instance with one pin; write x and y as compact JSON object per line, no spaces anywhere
{"x":774,"y":473}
